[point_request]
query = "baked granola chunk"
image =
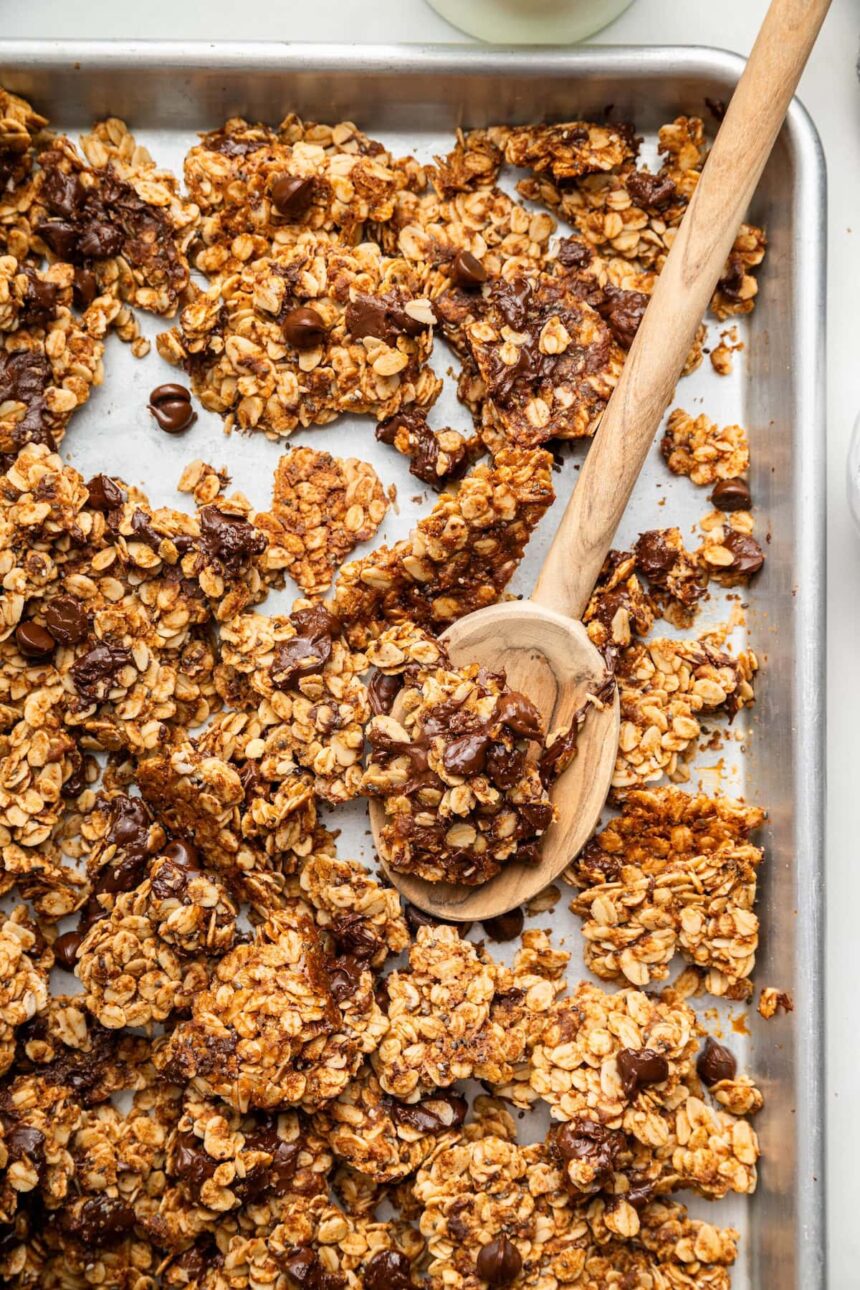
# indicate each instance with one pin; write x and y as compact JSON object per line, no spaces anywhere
{"x":280,"y":1025}
{"x":461,"y":795}
{"x":322,"y":507}
{"x":459,"y":558}
{"x":664,"y":686}
{"x":674,"y":873}
{"x":299,"y":338}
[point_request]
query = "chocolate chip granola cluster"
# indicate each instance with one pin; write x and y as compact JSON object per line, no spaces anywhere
{"x":229,"y":1056}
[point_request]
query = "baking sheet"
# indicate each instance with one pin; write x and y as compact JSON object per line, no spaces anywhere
{"x":412,"y":99}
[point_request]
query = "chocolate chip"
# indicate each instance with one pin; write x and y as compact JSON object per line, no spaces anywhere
{"x":639,"y":1067}
{"x":504,"y":927}
{"x":66,"y":620}
{"x":388,"y":1270}
{"x":344,"y":978}
{"x":499,"y":1262}
{"x":104,"y":494}
{"x":432,"y":1115}
{"x":94,"y":671}
{"x":466,"y":755}
{"x":61,"y":191}
{"x":519,"y":714}
{"x":622,"y":311}
{"x":513,"y":298}
{"x":655,"y":558}
{"x":384,"y":319}
{"x":277,"y":1176}
{"x":467,"y":270}
{"x":190,"y":1161}
{"x":315,"y":621}
{"x":301,"y":656}
{"x":184,"y":854}
{"x":304,"y":328}
{"x":732,"y":281}
{"x":538,"y":815}
{"x":25,"y":377}
{"x":573,"y":253}
{"x":228,"y":540}
{"x":382,"y":692}
{"x":366,"y":316}
{"x":655,"y":191}
{"x":354,"y":935}
{"x":171,"y":406}
{"x":130,"y":824}
{"x":61,"y":237}
{"x":291,"y":195}
{"x":416,"y":918}
{"x":75,"y":784}
{"x":249,"y":774}
{"x":34,"y":642}
{"x":748,"y":556}
{"x":715,"y":1063}
{"x":99,"y":241}
{"x":23,"y":1141}
{"x":99,"y":1220}
{"x":505,"y":766}
{"x":66,"y":949}
{"x":591,"y":1143}
{"x":39,"y":306}
{"x":732,"y":495}
{"x":85,"y":288}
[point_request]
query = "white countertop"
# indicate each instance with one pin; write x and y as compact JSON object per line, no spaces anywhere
{"x":831,"y":92}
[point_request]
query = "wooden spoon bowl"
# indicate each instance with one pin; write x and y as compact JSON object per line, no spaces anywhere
{"x":549,"y":657}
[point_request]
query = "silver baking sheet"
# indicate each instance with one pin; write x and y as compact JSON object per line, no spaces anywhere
{"x":412,"y":97}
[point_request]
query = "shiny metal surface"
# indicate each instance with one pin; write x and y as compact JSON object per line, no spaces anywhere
{"x":416,"y":93}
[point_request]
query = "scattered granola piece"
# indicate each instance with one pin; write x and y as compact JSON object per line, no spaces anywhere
{"x":261,"y":190}
{"x":435,"y":456}
{"x":447,"y":980}
{"x":568,"y":150}
{"x":722,"y":354}
{"x":696,"y":447}
{"x":118,"y":217}
{"x":25,"y":963}
{"x":299,"y":677}
{"x":279,"y":1025}
{"x":674,"y":577}
{"x":729,"y":553}
{"x":547,"y":359}
{"x":771,"y":1001}
{"x":473,"y":162}
{"x":322,"y":508}
{"x":49,"y":362}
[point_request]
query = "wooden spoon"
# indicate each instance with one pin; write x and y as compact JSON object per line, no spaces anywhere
{"x":544,"y":651}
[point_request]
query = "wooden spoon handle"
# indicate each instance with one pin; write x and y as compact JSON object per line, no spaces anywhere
{"x":693,"y":267}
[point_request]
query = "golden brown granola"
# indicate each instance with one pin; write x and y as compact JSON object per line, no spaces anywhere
{"x":301,"y":337}
{"x":461,"y":796}
{"x":322,"y":507}
{"x":459,"y":558}
{"x":697,"y":447}
{"x":673,"y":873}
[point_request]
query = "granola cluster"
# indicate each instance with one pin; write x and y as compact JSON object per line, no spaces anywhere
{"x":674,"y":872}
{"x":461,"y":795}
{"x":229,"y":1057}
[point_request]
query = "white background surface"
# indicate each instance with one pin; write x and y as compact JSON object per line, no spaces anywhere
{"x":831,"y":91}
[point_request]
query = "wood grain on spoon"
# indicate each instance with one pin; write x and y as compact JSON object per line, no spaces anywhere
{"x":545,"y":652}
